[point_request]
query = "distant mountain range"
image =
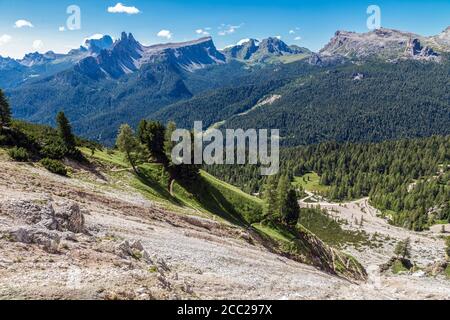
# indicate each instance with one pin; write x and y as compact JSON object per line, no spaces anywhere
{"x":388,"y":44}
{"x":265,"y":50}
{"x":104,"y":83}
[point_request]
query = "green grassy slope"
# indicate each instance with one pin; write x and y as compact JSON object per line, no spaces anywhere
{"x":215,"y":199}
{"x":207,"y":196}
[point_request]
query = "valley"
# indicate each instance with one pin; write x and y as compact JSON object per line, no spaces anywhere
{"x":194,"y":256}
{"x":191,"y":81}
{"x":94,"y":206}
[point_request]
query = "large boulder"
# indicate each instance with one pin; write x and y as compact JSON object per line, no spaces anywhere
{"x":48,"y":239}
{"x":70,"y":217}
{"x":41,"y":213}
{"x":31,"y":212}
{"x":436,"y":268}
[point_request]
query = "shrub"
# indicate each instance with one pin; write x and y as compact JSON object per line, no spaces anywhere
{"x":3,"y":140}
{"x":19,"y":154}
{"x":54,"y":150}
{"x":54,"y":166}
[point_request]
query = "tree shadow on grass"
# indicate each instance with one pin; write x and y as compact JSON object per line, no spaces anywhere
{"x":147,"y":179}
{"x":213,"y":200}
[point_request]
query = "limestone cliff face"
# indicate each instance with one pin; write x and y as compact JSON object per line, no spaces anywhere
{"x":387,"y":44}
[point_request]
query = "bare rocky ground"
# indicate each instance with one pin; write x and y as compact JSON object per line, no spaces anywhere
{"x":427,"y":249}
{"x":66,"y":238}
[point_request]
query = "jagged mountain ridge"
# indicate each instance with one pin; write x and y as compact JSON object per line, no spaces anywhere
{"x":254,"y":50}
{"x":106,"y":58}
{"x":388,"y":44}
{"x":35,"y":66}
{"x":128,"y":55}
{"x":130,"y":81}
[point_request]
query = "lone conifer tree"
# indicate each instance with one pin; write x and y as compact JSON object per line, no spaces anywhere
{"x":5,"y":111}
{"x":291,"y":209}
{"x":128,"y":143}
{"x":65,"y":130}
{"x":270,"y":197}
{"x":282,"y":193}
{"x":152,"y":134}
{"x":403,"y":249}
{"x":168,"y":143}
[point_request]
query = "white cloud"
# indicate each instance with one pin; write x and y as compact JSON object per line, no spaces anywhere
{"x":23,"y":23}
{"x":4,"y":39}
{"x":62,"y":29}
{"x":291,"y":32}
{"x":228,"y":29}
{"x":243,"y":41}
{"x":120,"y":8}
{"x":278,"y":37}
{"x":165,"y":34}
{"x":298,"y":38}
{"x":38,"y":44}
{"x":202,"y":32}
{"x":96,"y":36}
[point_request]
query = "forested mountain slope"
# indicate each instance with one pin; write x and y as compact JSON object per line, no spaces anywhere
{"x":408,"y":180}
{"x":371,"y":102}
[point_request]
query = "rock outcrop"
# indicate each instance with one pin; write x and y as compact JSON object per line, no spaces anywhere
{"x":37,"y":222}
{"x":70,"y":218}
{"x":49,"y":240}
{"x":383,"y":43}
{"x":67,"y":216}
{"x":437,"y":268}
{"x":416,"y":51}
{"x":258,"y":51}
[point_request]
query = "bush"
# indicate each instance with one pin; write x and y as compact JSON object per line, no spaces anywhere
{"x":19,"y":154}
{"x":54,"y":150}
{"x":3,"y":140}
{"x":54,"y":166}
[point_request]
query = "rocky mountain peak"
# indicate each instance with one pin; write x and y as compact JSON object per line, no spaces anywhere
{"x":95,"y":45}
{"x":274,"y":46}
{"x":251,"y":49}
{"x":190,"y":55}
{"x":389,"y":44}
{"x":8,"y":63}
{"x":443,"y":38}
{"x":127,"y":55}
{"x":243,"y":50}
{"x":36,"y":58}
{"x":127,"y":41}
{"x":417,"y":51}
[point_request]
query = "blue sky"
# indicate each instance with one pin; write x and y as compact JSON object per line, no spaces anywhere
{"x":308,"y":23}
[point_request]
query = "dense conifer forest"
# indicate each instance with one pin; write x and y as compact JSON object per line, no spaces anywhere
{"x":408,"y":180}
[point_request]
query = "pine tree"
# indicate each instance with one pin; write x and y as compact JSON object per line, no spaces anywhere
{"x":185,"y":172}
{"x":270,"y":197}
{"x":291,"y":209}
{"x":282,"y":193}
{"x":403,"y":249}
{"x":65,"y":131}
{"x":128,"y":144}
{"x":5,"y":111}
{"x":152,"y":135}
{"x":168,"y":143}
